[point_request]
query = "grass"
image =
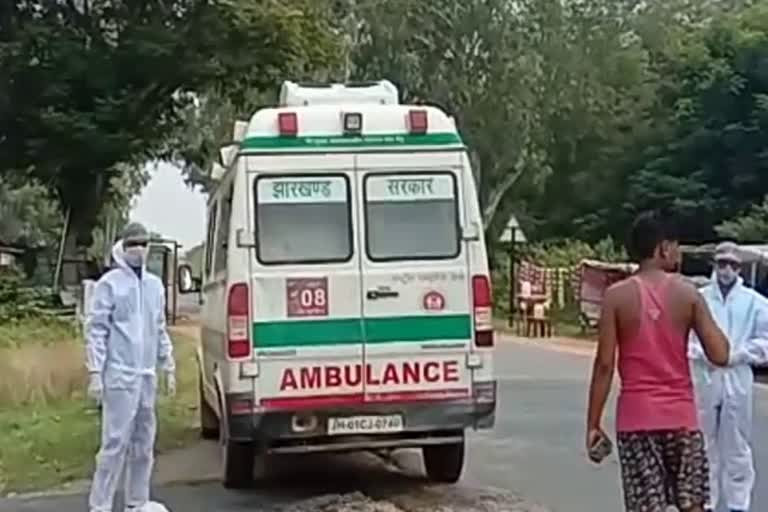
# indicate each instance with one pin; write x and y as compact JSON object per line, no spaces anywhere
{"x":50,"y":432}
{"x":567,"y":325}
{"x":49,"y":331}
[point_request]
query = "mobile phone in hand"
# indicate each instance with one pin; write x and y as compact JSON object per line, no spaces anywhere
{"x":601,"y":449}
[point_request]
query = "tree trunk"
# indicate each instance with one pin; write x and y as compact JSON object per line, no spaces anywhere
{"x":83,"y":198}
{"x":79,"y":233}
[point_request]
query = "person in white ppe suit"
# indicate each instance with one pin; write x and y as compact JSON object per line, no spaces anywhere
{"x":724,"y":395}
{"x":126,"y":343}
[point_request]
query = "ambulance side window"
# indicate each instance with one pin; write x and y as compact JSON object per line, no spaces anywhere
{"x":411,"y":216}
{"x":209,"y":242}
{"x":303,"y":219}
{"x":222,"y":231}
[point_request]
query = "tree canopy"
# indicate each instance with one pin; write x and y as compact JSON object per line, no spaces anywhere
{"x":577,"y":114}
{"x":92,"y":89}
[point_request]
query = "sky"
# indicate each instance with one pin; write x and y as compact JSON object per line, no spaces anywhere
{"x":169,"y":207}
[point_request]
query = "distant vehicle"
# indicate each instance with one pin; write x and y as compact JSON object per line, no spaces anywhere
{"x":346,"y":292}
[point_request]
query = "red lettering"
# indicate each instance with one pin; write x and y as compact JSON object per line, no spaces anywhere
{"x":390,"y":375}
{"x":332,"y":376}
{"x":288,"y":381}
{"x":432,"y":372}
{"x":369,"y":377}
{"x":310,"y":377}
{"x":358,"y":375}
{"x":411,"y":373}
{"x":451,"y":371}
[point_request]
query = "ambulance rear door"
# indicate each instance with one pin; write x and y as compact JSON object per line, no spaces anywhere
{"x":305,"y":282}
{"x":417,"y":324}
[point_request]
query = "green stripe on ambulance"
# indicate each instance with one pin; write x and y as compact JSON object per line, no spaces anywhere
{"x":355,"y":141}
{"x":349,"y":331}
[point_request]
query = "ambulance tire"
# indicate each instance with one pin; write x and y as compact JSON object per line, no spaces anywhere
{"x":239,"y":459}
{"x":209,"y":422}
{"x":444,"y":462}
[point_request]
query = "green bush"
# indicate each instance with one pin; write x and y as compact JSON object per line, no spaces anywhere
{"x":568,"y":253}
{"x":19,"y":302}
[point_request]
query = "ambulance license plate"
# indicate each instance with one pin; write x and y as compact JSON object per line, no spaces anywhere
{"x":365,"y":425}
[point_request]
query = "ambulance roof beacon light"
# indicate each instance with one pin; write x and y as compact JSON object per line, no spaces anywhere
{"x":353,"y":123}
{"x":417,"y":122}
{"x":288,"y":123}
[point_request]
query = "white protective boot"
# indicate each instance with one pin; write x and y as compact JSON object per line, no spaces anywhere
{"x":152,"y":506}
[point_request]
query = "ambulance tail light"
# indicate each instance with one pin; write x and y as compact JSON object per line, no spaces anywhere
{"x":288,"y":123}
{"x":238,"y":314}
{"x":482,"y":305}
{"x":417,"y":122}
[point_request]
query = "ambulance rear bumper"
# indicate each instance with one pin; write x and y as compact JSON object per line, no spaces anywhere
{"x":423,"y":424}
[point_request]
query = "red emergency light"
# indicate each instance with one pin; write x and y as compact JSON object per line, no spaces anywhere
{"x":288,"y":124}
{"x":417,"y":122}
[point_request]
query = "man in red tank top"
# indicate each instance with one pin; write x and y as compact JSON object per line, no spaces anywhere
{"x":644,"y":327}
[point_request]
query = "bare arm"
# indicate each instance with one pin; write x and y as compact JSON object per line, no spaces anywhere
{"x":605,"y":362}
{"x":713,"y":341}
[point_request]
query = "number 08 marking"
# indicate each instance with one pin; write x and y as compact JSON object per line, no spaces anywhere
{"x":312,"y":298}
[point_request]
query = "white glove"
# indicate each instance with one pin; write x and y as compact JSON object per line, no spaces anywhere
{"x":95,"y":388}
{"x":738,"y":357}
{"x":170,"y":384}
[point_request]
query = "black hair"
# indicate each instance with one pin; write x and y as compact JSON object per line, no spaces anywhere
{"x":649,"y":230}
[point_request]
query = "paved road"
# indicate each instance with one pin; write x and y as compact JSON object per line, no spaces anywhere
{"x":535,"y":451}
{"x":536,"y":448}
{"x":318,"y":484}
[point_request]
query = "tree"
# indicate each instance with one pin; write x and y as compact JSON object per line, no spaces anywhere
{"x":471,"y":58}
{"x":614,"y":157}
{"x":92,"y":89}
{"x":597,"y":85}
{"x":28,"y":216}
{"x":312,"y":52}
{"x":713,"y":159}
{"x":750,"y":227}
{"x":206,"y":126}
{"x":546,"y":93}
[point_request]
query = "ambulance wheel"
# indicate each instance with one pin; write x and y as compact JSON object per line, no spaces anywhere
{"x":444,"y":462}
{"x":209,"y":422}
{"x":238,"y":460}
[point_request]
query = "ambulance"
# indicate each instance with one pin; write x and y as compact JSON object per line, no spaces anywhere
{"x":346,"y":299}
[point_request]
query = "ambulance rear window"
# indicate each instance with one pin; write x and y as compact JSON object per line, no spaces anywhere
{"x":303,"y":219}
{"x":411,"y":216}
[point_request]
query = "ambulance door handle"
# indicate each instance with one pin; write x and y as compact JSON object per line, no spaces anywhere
{"x":381,"y":294}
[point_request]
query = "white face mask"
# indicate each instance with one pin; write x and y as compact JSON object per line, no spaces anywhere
{"x":135,"y":255}
{"x":726,"y":276}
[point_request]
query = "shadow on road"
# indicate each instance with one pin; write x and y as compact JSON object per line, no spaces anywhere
{"x":306,"y":476}
{"x":301,"y":483}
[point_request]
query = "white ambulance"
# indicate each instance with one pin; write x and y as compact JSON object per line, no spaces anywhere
{"x":346,"y":301}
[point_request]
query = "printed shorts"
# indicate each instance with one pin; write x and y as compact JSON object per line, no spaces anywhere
{"x":662,"y":468}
